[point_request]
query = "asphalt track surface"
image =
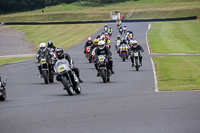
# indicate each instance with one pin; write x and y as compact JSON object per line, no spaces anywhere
{"x":127,"y":104}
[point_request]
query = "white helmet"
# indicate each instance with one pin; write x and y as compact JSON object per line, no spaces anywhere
{"x":43,"y":47}
{"x":101,"y":45}
{"x":134,"y":43}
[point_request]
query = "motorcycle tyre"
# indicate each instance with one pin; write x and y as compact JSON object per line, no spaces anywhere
{"x":68,"y":88}
{"x":3,"y":96}
{"x":123,"y":57}
{"x":103,"y":75}
{"x":45,"y":76}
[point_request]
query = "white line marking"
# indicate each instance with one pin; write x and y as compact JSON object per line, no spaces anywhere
{"x":153,"y":66}
{"x":154,"y":74}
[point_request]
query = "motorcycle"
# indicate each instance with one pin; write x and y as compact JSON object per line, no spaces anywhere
{"x":103,"y":68}
{"x":87,"y":55}
{"x":110,"y":33}
{"x":67,"y":77}
{"x":47,"y":70}
{"x":136,"y":60}
{"x":124,"y":52}
{"x":117,"y":45}
{"x":120,"y":31}
{"x":93,"y":54}
{"x":3,"y":89}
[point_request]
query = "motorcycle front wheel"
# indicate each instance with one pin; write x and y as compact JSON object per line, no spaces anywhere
{"x":3,"y":96}
{"x":103,"y":75}
{"x":45,"y":76}
{"x":67,"y":86}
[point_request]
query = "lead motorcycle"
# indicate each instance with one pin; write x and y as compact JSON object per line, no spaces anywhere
{"x":3,"y":89}
{"x":103,"y":68}
{"x":67,"y":77}
{"x":136,"y":60}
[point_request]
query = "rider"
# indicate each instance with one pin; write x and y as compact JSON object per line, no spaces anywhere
{"x":88,"y":43}
{"x":43,"y":51}
{"x":118,"y":38}
{"x":103,"y":50}
{"x":94,"y":45}
{"x":60,"y":54}
{"x":106,"y":28}
{"x":138,"y":48}
{"x":110,"y":31}
{"x":106,"y":35}
{"x":107,"y":41}
{"x":51,"y":46}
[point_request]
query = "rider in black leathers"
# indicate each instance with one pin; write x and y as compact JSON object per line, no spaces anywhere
{"x":45,"y":53}
{"x":51,"y":46}
{"x":138,"y":48}
{"x":60,"y":54}
{"x":104,"y":50}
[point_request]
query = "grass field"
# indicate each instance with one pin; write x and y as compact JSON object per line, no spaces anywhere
{"x":178,"y":73}
{"x":64,"y":36}
{"x":4,"y":61}
{"x":175,"y":37}
{"x":140,"y":9}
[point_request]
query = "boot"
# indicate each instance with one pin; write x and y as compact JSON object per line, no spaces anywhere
{"x":132,"y":64}
{"x":112,"y":71}
{"x":98,"y":73}
{"x":80,"y":80}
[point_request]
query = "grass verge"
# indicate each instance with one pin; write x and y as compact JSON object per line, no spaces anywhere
{"x":175,"y":37}
{"x":178,"y":73}
{"x":5,"y":60}
{"x":64,"y":36}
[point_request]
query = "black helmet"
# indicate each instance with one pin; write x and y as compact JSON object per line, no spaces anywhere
{"x":50,"y":43}
{"x":59,"y":52}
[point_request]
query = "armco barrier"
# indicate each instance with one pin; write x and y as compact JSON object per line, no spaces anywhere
{"x":108,"y":21}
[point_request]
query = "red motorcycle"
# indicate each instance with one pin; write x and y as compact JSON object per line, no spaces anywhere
{"x":87,"y":54}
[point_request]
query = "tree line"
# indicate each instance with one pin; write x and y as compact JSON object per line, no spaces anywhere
{"x":8,"y":6}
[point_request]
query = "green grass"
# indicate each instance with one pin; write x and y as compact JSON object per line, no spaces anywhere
{"x":64,"y":36}
{"x":175,"y":37}
{"x":6,"y":60}
{"x":178,"y":73}
{"x":141,"y":9}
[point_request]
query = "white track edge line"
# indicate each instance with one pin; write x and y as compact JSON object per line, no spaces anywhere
{"x":153,"y":66}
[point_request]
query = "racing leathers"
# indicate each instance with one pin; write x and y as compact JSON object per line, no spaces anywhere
{"x":105,"y":51}
{"x":138,"y":48}
{"x":71,"y":63}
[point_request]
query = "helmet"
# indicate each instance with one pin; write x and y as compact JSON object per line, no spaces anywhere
{"x":96,"y":41}
{"x":118,"y":37}
{"x":89,"y":39}
{"x":134,"y":43}
{"x":130,"y":35}
{"x":105,"y":24}
{"x":50,"y":43}
{"x":43,"y":47}
{"x":59,"y":52}
{"x":101,"y":45}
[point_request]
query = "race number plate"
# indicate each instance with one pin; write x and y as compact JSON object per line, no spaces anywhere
{"x":43,"y":61}
{"x":61,"y":68}
{"x":136,"y":54}
{"x":101,"y":58}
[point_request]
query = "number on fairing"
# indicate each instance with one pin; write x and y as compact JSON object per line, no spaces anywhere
{"x":101,"y":58}
{"x":43,"y":61}
{"x":61,"y":68}
{"x":136,"y":54}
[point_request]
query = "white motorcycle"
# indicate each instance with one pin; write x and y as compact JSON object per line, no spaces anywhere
{"x":67,"y":77}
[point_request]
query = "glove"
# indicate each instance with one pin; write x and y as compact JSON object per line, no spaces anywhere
{"x":106,"y":60}
{"x":36,"y":61}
